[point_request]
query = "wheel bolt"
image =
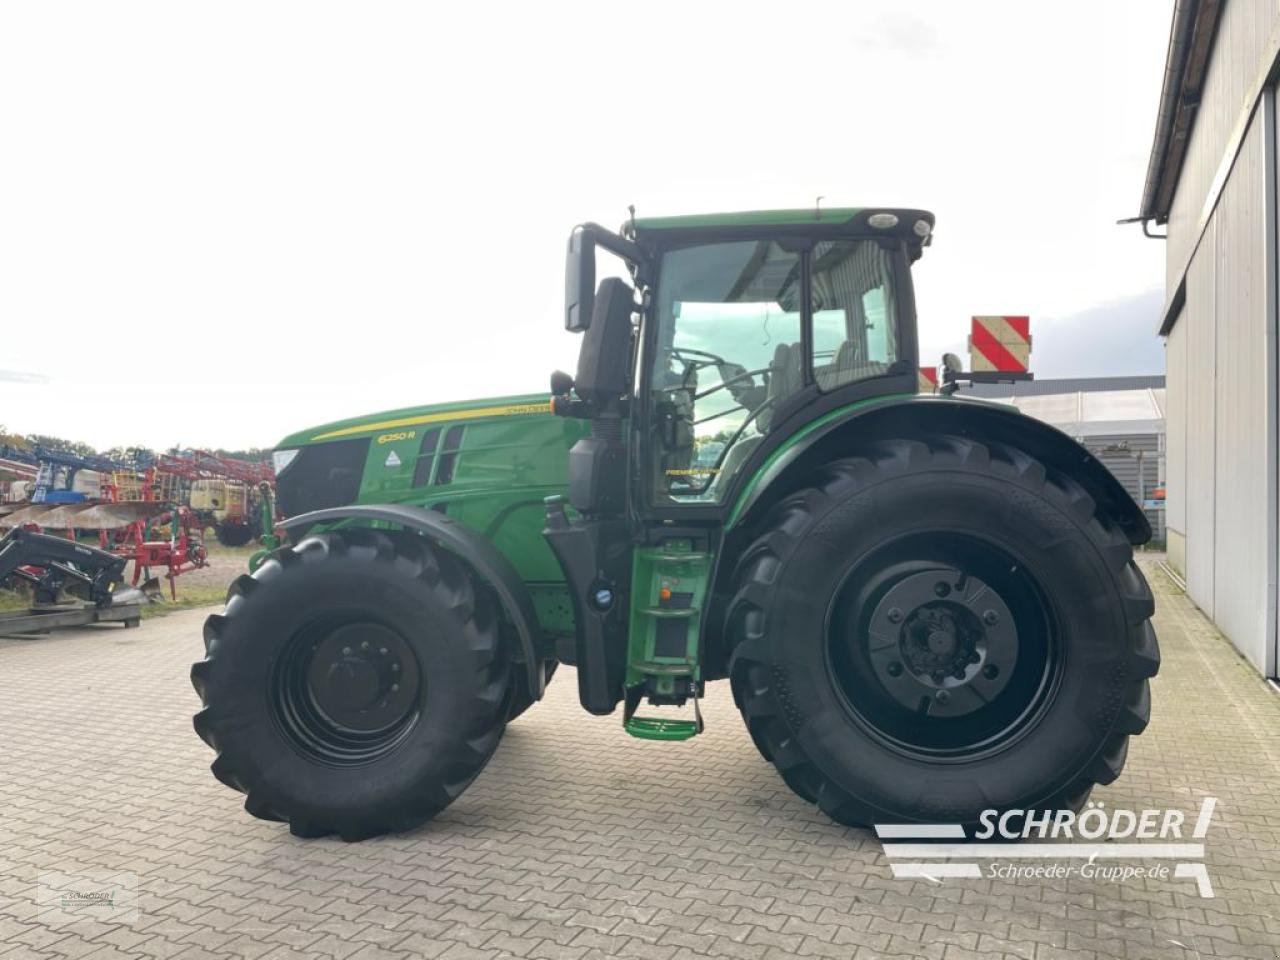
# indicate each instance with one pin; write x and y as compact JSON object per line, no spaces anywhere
{"x":346,"y":651}
{"x":974,"y":658}
{"x":959,"y":673}
{"x":942,"y":696}
{"x":383,"y":651}
{"x":939,"y":676}
{"x":395,"y":668}
{"x":395,"y":687}
{"x":894,"y":669}
{"x":895,"y":615}
{"x":990,"y":618}
{"x":990,"y":671}
{"x":942,"y":589}
{"x":365,"y":645}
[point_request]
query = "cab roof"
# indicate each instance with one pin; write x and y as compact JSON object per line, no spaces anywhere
{"x":832,"y":220}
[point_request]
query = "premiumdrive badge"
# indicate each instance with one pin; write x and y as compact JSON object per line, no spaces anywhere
{"x":1100,"y":844}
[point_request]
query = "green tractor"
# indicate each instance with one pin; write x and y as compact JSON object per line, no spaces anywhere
{"x":926,"y":607}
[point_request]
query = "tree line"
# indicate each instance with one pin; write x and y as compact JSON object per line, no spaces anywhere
{"x":30,"y":441}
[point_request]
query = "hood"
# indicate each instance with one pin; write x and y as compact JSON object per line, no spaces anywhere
{"x":408,"y":418}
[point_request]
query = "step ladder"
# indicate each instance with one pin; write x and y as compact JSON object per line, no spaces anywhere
{"x":669,"y":589}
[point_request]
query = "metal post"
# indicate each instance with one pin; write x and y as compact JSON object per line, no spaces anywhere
{"x":1271,"y":270}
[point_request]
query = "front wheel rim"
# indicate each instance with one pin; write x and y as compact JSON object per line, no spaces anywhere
{"x":347,"y":691}
{"x":943,"y":646}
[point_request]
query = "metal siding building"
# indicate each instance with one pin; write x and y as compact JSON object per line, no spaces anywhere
{"x":1211,"y":181}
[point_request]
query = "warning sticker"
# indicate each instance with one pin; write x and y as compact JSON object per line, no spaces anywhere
{"x":392,"y":460}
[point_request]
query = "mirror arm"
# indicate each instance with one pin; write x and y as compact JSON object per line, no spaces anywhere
{"x":624,"y":248}
{"x":951,"y":379}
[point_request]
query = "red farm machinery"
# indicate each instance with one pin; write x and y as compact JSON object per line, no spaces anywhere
{"x":153,"y":510}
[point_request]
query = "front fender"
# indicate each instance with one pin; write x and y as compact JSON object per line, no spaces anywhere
{"x":838,"y":433}
{"x":487,"y":561}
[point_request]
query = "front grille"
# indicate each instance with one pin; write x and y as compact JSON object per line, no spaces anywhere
{"x":321,"y":476}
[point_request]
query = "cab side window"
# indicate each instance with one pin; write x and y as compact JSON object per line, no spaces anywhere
{"x":854,"y":335}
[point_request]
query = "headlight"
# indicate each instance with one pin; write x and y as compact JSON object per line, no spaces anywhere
{"x":280,"y":459}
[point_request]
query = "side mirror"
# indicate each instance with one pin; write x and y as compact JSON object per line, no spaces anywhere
{"x":951,"y":362}
{"x":579,"y":281}
{"x":561,"y":384}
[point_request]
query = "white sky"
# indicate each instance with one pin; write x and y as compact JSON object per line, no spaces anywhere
{"x":223,"y":222}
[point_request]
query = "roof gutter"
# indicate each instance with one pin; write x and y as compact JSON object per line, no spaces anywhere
{"x":1186,"y":65}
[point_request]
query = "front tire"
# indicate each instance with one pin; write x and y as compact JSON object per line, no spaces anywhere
{"x":940,"y":627}
{"x":355,"y":684}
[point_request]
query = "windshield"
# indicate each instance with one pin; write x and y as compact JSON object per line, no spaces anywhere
{"x":729,"y":348}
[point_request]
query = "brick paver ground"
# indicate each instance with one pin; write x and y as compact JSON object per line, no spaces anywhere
{"x":578,"y":841}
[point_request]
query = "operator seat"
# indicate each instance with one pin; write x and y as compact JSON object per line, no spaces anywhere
{"x":786,"y":377}
{"x":732,"y":461}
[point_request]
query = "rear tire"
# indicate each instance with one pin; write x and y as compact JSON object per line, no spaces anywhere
{"x":882,"y":695}
{"x":233,"y":534}
{"x":355,"y":684}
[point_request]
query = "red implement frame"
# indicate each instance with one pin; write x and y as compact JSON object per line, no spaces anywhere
{"x":183,"y":551}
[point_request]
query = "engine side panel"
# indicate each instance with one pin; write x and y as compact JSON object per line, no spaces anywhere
{"x":487,"y":464}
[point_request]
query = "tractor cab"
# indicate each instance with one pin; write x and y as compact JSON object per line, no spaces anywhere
{"x":737,"y":324}
{"x":735,"y":333}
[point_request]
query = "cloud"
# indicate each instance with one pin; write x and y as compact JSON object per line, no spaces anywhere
{"x":1112,"y":339}
{"x":17,"y":376}
{"x":899,"y":33}
{"x":330,"y":204}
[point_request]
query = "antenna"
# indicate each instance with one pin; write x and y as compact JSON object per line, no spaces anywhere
{"x":817,"y":206}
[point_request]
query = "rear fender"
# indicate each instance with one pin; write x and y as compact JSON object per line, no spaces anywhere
{"x":485,"y":559}
{"x":917,"y":416}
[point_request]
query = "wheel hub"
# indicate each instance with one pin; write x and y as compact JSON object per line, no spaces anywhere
{"x":359,"y":677}
{"x":942,"y":642}
{"x":933,"y":641}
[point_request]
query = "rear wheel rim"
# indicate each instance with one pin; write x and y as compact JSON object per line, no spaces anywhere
{"x":943,"y":646}
{"x":347,"y":691}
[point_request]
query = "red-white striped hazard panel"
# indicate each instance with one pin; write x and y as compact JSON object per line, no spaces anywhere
{"x":928,"y":382}
{"x":1000,"y":343}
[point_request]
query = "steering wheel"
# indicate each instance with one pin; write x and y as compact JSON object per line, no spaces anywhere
{"x":683,"y":353}
{"x":734,"y":377}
